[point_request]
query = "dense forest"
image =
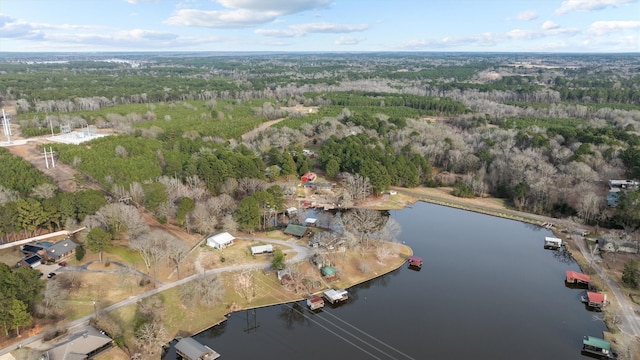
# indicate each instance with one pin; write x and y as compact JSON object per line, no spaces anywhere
{"x":544,"y":132}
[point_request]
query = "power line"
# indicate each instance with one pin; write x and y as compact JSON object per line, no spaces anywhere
{"x":344,"y":330}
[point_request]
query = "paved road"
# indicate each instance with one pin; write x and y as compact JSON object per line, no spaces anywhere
{"x":302,"y":253}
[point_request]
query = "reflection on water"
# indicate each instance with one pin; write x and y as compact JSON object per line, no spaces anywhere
{"x":488,"y":290}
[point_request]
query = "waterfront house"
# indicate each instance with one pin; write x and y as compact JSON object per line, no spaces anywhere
{"x":297,"y":230}
{"x":261,"y":249}
{"x":596,"y":346}
{"x":220,"y":241}
{"x":574,"y":277}
{"x":190,"y":349}
{"x":336,"y":296}
{"x":552,"y":243}
{"x":85,"y":344}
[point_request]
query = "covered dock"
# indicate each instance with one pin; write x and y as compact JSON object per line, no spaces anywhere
{"x":315,"y":303}
{"x":190,"y":349}
{"x":594,"y":299}
{"x":336,"y":296}
{"x":414,"y":261}
{"x":574,"y":277}
{"x":596,"y":346}
{"x":552,"y":243}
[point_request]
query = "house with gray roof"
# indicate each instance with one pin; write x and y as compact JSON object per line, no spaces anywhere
{"x":61,"y":249}
{"x":85,"y":344}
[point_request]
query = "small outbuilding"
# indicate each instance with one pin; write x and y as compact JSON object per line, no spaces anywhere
{"x":329,"y":273}
{"x":261,"y":249}
{"x":310,"y":221}
{"x":297,"y":230}
{"x":190,"y":349}
{"x":220,"y":241}
{"x":594,"y":300}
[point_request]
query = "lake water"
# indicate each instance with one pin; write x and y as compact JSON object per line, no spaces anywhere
{"x":487,"y":290}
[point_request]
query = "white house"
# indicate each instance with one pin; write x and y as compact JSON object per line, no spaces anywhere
{"x":261,"y":249}
{"x":220,"y":241}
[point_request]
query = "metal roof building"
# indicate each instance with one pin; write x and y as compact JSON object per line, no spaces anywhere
{"x":190,"y":349}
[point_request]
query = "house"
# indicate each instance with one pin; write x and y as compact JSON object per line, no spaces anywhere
{"x":61,"y":250}
{"x":292,"y":211}
{"x":221,"y":240}
{"x":297,"y":230}
{"x":31,"y":261}
{"x":190,"y":349}
{"x":261,"y":249}
{"x":82,"y":345}
{"x":623,"y":184}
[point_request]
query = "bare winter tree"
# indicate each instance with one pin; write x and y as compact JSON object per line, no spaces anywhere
{"x":245,"y":285}
{"x":150,"y":337}
{"x":152,"y":247}
{"x":7,"y":195}
{"x":206,"y":289}
{"x":119,"y":217}
{"x":356,"y":185}
{"x":177,"y":250}
{"x":364,"y":223}
{"x":53,"y":298}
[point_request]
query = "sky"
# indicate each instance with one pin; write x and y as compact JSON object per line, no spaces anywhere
{"x":557,"y":26}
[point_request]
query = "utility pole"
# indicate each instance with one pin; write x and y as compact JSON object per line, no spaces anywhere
{"x":6,"y":126}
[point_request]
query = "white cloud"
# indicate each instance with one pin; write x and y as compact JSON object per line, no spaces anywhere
{"x":605,"y":27}
{"x":549,"y":25}
{"x":220,"y":19}
{"x":279,"y":6}
{"x":588,"y":5}
{"x":527,"y":15}
{"x":243,"y":13}
{"x":18,"y":28}
{"x":348,"y":40}
{"x":299,"y":30}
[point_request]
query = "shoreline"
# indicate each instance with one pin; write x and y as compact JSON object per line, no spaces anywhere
{"x":401,"y":256}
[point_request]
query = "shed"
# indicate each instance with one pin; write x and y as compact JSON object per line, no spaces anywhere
{"x":190,"y":349}
{"x":261,"y":249}
{"x":310,"y":221}
{"x":414,"y":261}
{"x":296,"y":230}
{"x":61,"y":249}
{"x":291,"y":211}
{"x":575,"y":277}
{"x":330,"y":273}
{"x":31,"y":261}
{"x":221,"y":240}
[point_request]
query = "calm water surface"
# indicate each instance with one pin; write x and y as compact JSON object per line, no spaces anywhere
{"x":487,"y":290}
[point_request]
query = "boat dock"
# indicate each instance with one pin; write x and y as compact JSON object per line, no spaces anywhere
{"x":336,"y":296}
{"x":315,"y":303}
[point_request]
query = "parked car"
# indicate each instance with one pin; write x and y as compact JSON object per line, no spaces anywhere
{"x":62,"y":263}
{"x":51,"y":275}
